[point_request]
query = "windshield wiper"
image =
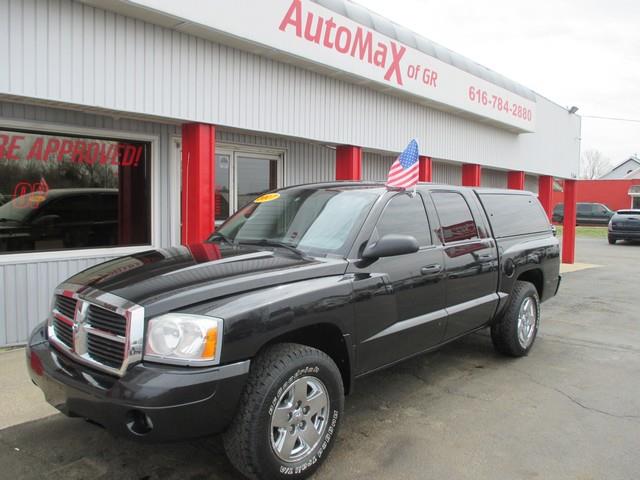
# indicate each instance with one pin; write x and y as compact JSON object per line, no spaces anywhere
{"x":265,"y":242}
{"x":222,"y":237}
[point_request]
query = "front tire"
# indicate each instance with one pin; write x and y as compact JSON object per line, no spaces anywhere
{"x":289,"y":414}
{"x":516,"y":330}
{"x":612,"y":241}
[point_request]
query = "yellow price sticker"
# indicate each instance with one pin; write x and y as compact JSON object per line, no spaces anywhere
{"x":268,"y":197}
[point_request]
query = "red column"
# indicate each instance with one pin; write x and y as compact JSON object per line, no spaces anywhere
{"x":569,"y":229}
{"x":471,"y":175}
{"x":515,"y":180}
{"x":425,"y":173}
{"x":198,"y":170}
{"x":348,"y":162}
{"x":545,"y":193}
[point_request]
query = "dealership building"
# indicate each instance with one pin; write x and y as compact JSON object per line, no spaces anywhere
{"x":133,"y":124}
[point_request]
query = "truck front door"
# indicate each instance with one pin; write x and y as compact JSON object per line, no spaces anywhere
{"x":399,"y":306}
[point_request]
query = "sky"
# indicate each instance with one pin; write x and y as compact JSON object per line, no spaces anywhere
{"x":582,"y":52}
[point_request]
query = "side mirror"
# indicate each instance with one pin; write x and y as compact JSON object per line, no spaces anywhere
{"x":391,"y":245}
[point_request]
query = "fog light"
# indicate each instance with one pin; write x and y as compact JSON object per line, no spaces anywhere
{"x":138,"y":422}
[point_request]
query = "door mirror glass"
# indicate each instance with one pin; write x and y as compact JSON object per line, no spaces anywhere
{"x":391,"y":245}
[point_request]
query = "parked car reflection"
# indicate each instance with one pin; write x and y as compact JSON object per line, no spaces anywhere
{"x":60,"y":218}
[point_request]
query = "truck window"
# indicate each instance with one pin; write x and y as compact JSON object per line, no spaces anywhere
{"x":405,"y":215}
{"x":511,"y":214}
{"x":585,"y":208}
{"x":456,"y":220}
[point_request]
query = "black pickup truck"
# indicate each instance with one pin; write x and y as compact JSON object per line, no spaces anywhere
{"x":261,"y":331}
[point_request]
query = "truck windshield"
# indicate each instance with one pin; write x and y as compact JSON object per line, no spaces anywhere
{"x":18,"y":209}
{"x":316,"y":221}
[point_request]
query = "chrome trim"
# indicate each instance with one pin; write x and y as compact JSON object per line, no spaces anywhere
{"x":101,"y":333}
{"x":409,"y":323}
{"x":233,"y":369}
{"x":86,"y":296}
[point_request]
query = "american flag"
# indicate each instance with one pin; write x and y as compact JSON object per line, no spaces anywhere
{"x":404,"y":171}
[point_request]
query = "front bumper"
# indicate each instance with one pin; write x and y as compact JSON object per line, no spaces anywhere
{"x":151,"y":402}
{"x":624,"y":235}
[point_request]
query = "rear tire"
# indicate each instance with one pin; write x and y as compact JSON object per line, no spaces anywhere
{"x":288,"y":415}
{"x":612,"y":241}
{"x":515,"y":332}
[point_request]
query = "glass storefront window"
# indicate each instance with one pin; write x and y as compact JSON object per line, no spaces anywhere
{"x":69,"y":192}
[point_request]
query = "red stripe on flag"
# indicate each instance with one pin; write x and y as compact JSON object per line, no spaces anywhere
{"x":403,"y":174}
{"x":404,"y":179}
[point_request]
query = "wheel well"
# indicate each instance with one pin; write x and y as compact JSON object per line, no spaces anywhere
{"x":326,"y":338}
{"x":535,"y":277}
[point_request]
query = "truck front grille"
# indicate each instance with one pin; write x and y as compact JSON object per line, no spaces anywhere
{"x":63,"y":331}
{"x":97,"y":328}
{"x":106,"y":320}
{"x":66,"y":306}
{"x":106,"y":351}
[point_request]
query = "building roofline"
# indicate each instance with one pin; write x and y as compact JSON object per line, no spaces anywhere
{"x":383,"y":25}
{"x":632,"y":157}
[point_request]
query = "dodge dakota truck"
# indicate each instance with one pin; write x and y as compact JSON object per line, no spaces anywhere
{"x":260,"y":331}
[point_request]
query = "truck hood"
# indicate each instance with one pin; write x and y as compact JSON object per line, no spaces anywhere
{"x":168,"y":279}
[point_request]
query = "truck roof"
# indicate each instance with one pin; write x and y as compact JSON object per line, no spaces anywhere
{"x":350,"y":184}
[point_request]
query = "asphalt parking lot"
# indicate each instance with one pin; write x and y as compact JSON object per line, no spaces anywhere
{"x":570,"y":410}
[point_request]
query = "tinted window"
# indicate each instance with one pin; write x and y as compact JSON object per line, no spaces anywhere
{"x":68,"y":210}
{"x":456,"y":220}
{"x":514,"y":214}
{"x":599,"y":209}
{"x":405,"y":215}
{"x":585,"y":208}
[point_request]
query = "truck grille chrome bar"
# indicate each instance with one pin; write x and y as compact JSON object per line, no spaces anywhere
{"x":96,"y":328}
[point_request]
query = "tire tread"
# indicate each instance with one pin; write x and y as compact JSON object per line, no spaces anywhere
{"x":267,"y":367}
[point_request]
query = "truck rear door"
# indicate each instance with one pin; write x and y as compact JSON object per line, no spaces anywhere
{"x":470,"y":260}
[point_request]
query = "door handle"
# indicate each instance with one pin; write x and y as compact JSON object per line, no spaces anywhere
{"x":485,"y":256}
{"x":431,"y":269}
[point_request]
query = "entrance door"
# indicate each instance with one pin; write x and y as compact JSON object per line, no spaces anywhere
{"x":255,"y":175}
{"x":242,"y":175}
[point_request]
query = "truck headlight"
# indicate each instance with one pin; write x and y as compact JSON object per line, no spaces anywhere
{"x":184,"y":339}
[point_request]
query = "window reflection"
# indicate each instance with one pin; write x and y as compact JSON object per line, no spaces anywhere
{"x":65,"y":192}
{"x":455,"y":216}
{"x":255,"y":176}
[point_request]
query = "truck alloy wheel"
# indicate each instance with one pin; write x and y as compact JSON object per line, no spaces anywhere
{"x":527,"y":321}
{"x":515,"y":331}
{"x":289,"y":414}
{"x":300,"y":419}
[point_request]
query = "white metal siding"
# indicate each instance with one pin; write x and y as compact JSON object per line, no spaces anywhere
{"x":375,"y":167}
{"x":65,"y":51}
{"x":26,"y":288}
{"x":447,"y":173}
{"x":304,"y":162}
{"x":493,"y":178}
